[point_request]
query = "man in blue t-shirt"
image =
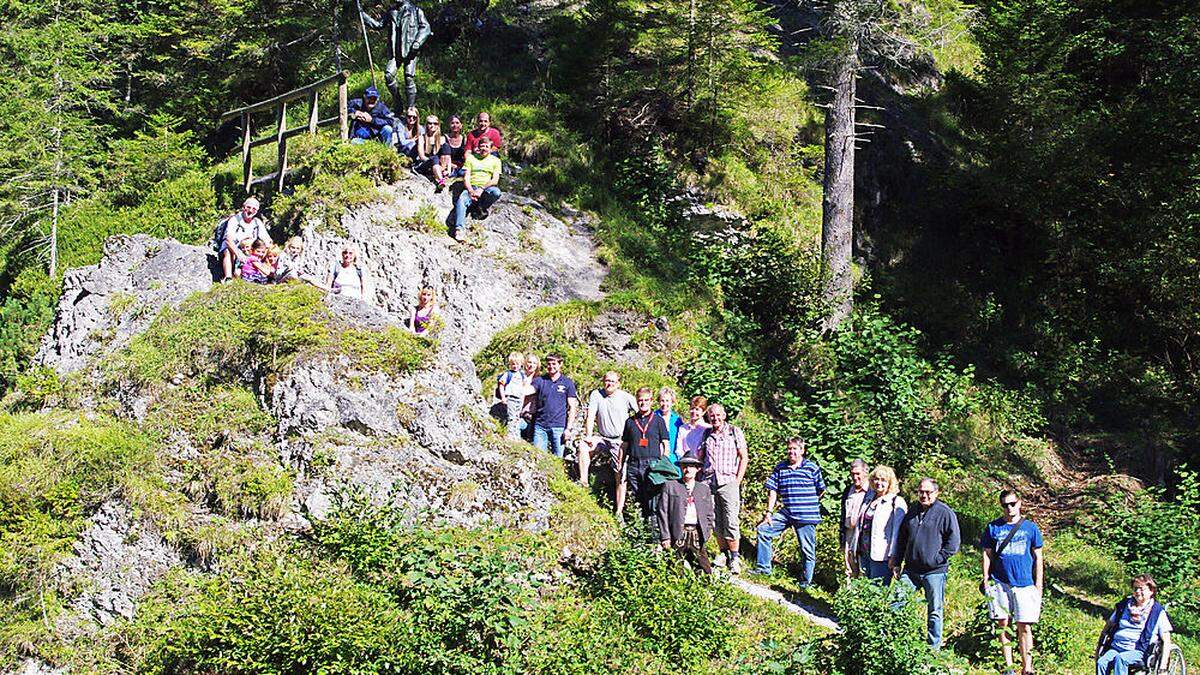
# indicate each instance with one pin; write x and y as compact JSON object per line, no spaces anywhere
{"x":556,"y":404}
{"x":1012,"y":577}
{"x":798,"y":484}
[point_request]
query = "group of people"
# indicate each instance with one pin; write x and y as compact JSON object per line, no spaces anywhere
{"x":686,"y":478}
{"x":469,"y":161}
{"x":246,"y":251}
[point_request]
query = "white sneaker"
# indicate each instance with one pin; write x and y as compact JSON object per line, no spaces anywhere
{"x":719,"y":561}
{"x":735,"y":565}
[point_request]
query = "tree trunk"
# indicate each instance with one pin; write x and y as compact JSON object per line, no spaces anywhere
{"x":837,"y":212}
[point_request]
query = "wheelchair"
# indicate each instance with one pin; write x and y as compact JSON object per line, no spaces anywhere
{"x":1171,"y":662}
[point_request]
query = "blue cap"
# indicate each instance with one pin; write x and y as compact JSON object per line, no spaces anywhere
{"x":371,"y":92}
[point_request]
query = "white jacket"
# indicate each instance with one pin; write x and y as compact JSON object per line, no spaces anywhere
{"x":885,"y":526}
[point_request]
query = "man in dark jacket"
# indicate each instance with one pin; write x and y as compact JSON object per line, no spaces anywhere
{"x":370,"y":118}
{"x":685,"y":514}
{"x":928,"y":537}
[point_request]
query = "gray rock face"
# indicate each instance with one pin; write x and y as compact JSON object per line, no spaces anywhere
{"x":415,"y":441}
{"x":104,"y":305}
{"x":118,"y":559}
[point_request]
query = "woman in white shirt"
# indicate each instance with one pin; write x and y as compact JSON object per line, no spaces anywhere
{"x":879,"y":523}
{"x":348,"y":277}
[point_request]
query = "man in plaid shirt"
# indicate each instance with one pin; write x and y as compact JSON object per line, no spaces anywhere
{"x":798,"y":483}
{"x":725,"y":460}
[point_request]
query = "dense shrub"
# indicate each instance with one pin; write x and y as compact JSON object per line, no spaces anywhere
{"x":679,"y":615}
{"x":341,"y":176}
{"x":278,"y":612}
{"x":55,"y":471}
{"x":877,"y":638}
{"x":1156,"y":534}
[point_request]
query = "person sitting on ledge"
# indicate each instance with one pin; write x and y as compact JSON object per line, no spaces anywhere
{"x":410,"y":133}
{"x":370,"y":118}
{"x":451,"y":155}
{"x":484,"y":129}
{"x":258,"y":268}
{"x":425,"y":313}
{"x":480,"y":177}
{"x":290,"y":260}
{"x":241,"y":226}
{"x":428,"y":146}
{"x":348,"y":278}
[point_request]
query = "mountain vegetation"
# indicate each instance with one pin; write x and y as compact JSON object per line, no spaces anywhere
{"x":1024,"y":314}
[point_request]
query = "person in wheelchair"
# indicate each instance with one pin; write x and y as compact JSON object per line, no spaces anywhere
{"x":1137,"y":635}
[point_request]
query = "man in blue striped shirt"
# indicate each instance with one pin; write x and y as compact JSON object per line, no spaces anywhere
{"x":799,"y":483}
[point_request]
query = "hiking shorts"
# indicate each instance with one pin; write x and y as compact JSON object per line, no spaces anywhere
{"x":1021,"y":604}
{"x":727,"y":500}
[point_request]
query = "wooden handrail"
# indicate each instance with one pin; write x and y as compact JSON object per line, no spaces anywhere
{"x":283,"y":98}
{"x":282,"y":133}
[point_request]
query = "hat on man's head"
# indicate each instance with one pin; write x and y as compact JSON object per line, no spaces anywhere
{"x":371,"y":92}
{"x":690,"y":459}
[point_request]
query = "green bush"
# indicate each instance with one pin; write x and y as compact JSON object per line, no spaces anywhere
{"x":392,"y":350}
{"x":472,"y":589}
{"x":56,"y":469}
{"x":676,"y":613}
{"x":876,"y":638}
{"x":278,"y":612}
{"x":342,"y":175}
{"x":1156,"y":534}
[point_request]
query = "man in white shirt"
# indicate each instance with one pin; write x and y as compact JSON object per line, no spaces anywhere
{"x":607,"y":410}
{"x":241,"y":226}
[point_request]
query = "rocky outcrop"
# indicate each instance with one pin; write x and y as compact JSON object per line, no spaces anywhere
{"x":105,"y":305}
{"x":417,"y":441}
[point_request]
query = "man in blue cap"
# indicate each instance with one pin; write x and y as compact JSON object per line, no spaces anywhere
{"x":370,"y":118}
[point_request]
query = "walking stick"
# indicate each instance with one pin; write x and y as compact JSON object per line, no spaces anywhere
{"x":363,"y":24}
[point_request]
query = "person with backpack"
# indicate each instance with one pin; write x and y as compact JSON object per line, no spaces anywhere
{"x":726,"y":457}
{"x":348,"y":278}
{"x":879,"y":522}
{"x":1134,"y":627}
{"x":245,"y":225}
{"x":929,"y":537}
{"x":511,"y":386}
{"x":1013,"y":570}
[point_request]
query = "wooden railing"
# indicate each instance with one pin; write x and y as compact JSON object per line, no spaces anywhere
{"x":282,"y":133}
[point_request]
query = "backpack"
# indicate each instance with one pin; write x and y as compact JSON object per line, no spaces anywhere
{"x":219,"y":232}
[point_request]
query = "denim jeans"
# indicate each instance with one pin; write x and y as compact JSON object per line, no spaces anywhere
{"x":1118,"y":663}
{"x":806,"y":536}
{"x":548,"y":438}
{"x":933,"y":585}
{"x":489,"y":197}
{"x":874,"y":570}
{"x":364,"y":134}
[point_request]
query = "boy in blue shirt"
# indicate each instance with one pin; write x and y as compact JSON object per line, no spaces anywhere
{"x":1013,"y":569}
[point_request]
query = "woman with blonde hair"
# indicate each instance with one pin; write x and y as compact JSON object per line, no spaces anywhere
{"x":879,"y":524}
{"x":425,"y":313}
{"x":347,"y":277}
{"x":428,"y":146}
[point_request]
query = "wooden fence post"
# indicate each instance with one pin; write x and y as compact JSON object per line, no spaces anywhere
{"x":281,"y":139}
{"x":342,"y":107}
{"x":312,"y":111}
{"x":247,"y":164}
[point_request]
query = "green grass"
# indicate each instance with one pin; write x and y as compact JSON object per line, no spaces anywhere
{"x":56,"y":469}
{"x":563,"y":329}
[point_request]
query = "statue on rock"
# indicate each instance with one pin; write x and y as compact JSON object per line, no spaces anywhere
{"x":407,"y":30}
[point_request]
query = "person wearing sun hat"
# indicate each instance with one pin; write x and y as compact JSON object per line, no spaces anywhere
{"x":686,"y":516}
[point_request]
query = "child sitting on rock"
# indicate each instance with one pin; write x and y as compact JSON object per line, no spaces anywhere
{"x":257,"y":269}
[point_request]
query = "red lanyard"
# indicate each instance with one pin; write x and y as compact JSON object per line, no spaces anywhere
{"x":643,"y":429}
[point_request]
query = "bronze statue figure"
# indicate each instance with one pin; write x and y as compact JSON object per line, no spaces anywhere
{"x":407,"y":30}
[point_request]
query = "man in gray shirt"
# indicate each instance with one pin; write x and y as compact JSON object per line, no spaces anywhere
{"x":607,"y":410}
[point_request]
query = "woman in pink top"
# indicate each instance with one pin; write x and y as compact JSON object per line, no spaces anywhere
{"x":691,"y":433}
